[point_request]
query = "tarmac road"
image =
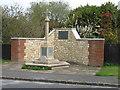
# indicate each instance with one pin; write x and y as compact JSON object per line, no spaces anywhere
{"x":69,"y":80}
{"x":30,"y":84}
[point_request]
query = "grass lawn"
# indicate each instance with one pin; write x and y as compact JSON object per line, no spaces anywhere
{"x":4,"y":61}
{"x":109,"y":71}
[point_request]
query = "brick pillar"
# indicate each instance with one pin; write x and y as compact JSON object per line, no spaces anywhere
{"x":96,"y":52}
{"x":17,"y":49}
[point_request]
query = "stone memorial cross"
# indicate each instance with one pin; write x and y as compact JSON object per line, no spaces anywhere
{"x":47,"y":23}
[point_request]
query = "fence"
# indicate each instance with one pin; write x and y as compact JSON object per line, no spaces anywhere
{"x":112,"y":53}
{"x":6,"y":51}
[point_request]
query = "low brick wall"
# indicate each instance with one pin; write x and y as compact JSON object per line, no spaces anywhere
{"x":17,"y":49}
{"x":96,"y":52}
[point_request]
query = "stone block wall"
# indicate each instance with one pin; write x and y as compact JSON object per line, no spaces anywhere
{"x":32,"y":49}
{"x":81,"y":51}
{"x":71,"y":50}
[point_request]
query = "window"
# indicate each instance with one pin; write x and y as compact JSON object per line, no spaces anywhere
{"x":63,"y":35}
{"x":44,"y":51}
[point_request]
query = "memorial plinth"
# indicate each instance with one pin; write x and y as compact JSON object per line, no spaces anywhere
{"x":47,"y":51}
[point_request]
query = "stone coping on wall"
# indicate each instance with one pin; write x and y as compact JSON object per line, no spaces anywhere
{"x":44,"y":38}
{"x":91,"y":39}
{"x":28,"y":38}
{"x":51,"y":31}
{"x":77,"y":36}
{"x":64,"y":28}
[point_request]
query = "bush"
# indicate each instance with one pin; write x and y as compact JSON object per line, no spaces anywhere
{"x":4,"y":61}
{"x":109,"y":64}
{"x":36,"y":67}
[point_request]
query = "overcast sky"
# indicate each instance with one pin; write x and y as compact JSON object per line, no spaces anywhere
{"x":73,"y":3}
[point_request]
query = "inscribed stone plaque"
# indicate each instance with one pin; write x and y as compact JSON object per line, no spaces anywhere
{"x":63,"y":35}
{"x":44,"y":51}
{"x":50,"y":51}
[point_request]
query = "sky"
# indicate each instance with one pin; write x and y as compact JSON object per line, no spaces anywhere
{"x":73,"y":3}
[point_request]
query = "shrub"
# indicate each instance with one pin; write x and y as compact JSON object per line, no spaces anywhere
{"x":110,"y":64}
{"x":4,"y":61}
{"x":36,"y":67}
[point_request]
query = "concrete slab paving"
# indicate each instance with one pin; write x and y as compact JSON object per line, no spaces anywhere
{"x":72,"y":69}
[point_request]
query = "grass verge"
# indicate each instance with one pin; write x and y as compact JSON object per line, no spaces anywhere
{"x":109,"y":70}
{"x":36,"y":67}
{"x":4,"y":61}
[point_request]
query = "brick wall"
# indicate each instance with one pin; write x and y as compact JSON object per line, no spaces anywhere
{"x":96,"y":52}
{"x":17,"y":50}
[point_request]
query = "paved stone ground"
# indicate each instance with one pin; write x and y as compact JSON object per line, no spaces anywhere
{"x":72,"y":69}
